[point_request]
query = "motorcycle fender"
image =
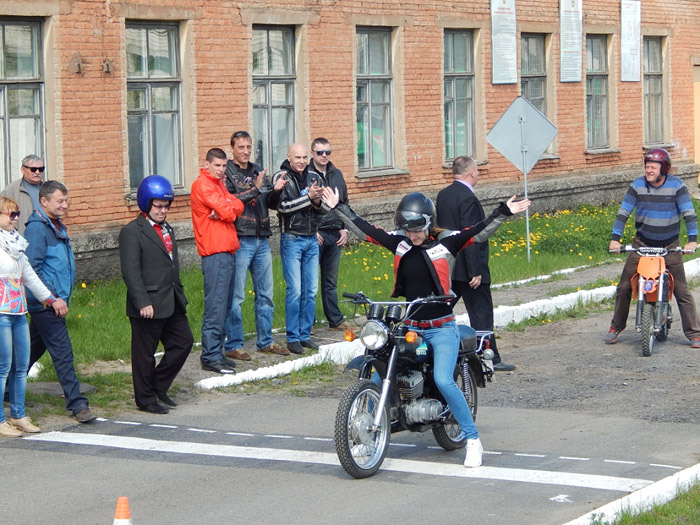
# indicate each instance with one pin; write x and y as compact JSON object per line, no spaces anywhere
{"x":362,"y":363}
{"x":475,"y":365}
{"x":651,"y":296}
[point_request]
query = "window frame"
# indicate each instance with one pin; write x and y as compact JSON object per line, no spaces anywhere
{"x":450,"y":78}
{"x":652,"y":138}
{"x":598,"y":76}
{"x":527,"y":76}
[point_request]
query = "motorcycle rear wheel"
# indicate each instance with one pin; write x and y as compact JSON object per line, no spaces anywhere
{"x":361,"y":450}
{"x":663,"y":333}
{"x":447,"y":434}
{"x":648,"y":329}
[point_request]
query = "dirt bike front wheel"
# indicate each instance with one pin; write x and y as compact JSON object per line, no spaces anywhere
{"x":447,"y":434}
{"x":361,"y":449}
{"x":648,"y":329}
{"x":663,"y":333}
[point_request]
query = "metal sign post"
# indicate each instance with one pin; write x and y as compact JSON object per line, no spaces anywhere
{"x":522,"y":135}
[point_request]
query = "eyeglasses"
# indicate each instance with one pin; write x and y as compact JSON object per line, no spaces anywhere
{"x":322,"y":152}
{"x":33,"y":169}
{"x":13,"y":214}
{"x":161,"y":206}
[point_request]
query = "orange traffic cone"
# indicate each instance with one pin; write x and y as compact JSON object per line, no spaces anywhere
{"x":122,"y":516}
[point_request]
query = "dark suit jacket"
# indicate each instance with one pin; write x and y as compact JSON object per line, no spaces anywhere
{"x":150,"y":275}
{"x":458,"y":208}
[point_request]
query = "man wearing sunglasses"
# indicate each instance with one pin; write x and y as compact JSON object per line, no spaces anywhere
{"x":25,"y":191}
{"x":331,"y":235}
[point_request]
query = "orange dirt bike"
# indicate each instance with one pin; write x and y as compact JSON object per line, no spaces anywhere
{"x":652,"y":287}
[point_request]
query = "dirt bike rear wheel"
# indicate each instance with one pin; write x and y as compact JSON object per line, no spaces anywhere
{"x":647,"y":329}
{"x":360,"y":449}
{"x":447,"y":434}
{"x":663,"y":333}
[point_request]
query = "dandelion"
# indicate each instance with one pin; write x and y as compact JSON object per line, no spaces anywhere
{"x":83,"y":285}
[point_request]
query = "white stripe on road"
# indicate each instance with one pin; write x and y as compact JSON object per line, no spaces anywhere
{"x":324,"y":458}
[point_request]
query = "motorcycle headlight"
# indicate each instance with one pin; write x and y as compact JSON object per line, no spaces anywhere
{"x":374,"y":335}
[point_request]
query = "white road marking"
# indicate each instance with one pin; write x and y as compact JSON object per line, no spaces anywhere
{"x":156,"y":425}
{"x":317,"y":439}
{"x":665,"y":466}
{"x":277,"y":436}
{"x":202,"y":430}
{"x":572,"y":479}
{"x":619,"y":461}
{"x":493,"y":453}
{"x":244,"y":434}
{"x":408,"y":445}
{"x":570,"y":458}
{"x":561,"y":498}
{"x":134,"y":423}
{"x":530,"y":455}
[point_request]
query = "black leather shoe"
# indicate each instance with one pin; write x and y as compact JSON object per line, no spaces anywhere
{"x":166,"y":399}
{"x":295,"y":347}
{"x":154,"y":408}
{"x":309,"y":344}
{"x":218,"y":366}
{"x":503,"y":367}
{"x":229,"y":362}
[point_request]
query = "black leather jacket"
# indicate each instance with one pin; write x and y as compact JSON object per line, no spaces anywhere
{"x":297,"y":214}
{"x":255,"y":220}
{"x":333,"y":178}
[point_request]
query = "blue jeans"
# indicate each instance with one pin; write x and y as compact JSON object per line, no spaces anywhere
{"x":300,"y":267}
{"x":445,"y":344}
{"x":329,"y":259}
{"x":49,"y":332}
{"x":14,"y":361}
{"x":254,"y":254}
{"x":217,"y":270}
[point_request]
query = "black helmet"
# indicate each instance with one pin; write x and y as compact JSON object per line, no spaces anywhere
{"x":153,"y":187}
{"x":661,"y":156}
{"x":415,"y":213}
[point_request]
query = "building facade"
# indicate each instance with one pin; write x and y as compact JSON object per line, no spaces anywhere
{"x":109,"y":91}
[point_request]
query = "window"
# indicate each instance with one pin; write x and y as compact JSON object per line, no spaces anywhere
{"x":274,"y":85}
{"x":21,"y":96}
{"x":373,"y":95}
{"x":153,"y":102}
{"x":653,"y":91}
{"x":596,"y":91}
{"x":533,"y":71}
{"x":459,"y":93}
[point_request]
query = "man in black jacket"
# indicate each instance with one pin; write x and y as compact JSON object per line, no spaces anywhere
{"x":458,"y":208}
{"x":331,"y":235}
{"x":299,"y":206}
{"x":246,"y":180}
{"x":155,"y":297}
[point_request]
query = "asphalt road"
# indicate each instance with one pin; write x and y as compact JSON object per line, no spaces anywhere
{"x":271,"y":459}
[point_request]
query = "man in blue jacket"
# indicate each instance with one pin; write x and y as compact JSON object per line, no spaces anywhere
{"x":51,"y":256}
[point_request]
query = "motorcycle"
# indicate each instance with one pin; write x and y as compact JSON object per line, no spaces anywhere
{"x":652,"y":287}
{"x":408,"y":398}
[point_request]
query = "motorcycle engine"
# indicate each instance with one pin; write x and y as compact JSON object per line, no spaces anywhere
{"x":423,"y":410}
{"x":410,"y":384}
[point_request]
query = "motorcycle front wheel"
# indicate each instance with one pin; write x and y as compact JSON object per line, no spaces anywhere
{"x":360,"y":448}
{"x":663,"y":333}
{"x":447,"y":434}
{"x":648,"y":329}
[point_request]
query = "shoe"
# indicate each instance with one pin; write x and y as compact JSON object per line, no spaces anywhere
{"x":695,"y":343}
{"x":611,"y":337}
{"x":8,"y":431}
{"x":295,"y":347}
{"x":84,"y":416}
{"x":503,"y":367}
{"x":25,"y":425}
{"x":474,"y":453}
{"x":274,"y":348}
{"x":342,"y":327}
{"x":166,"y":399}
{"x":154,"y":408}
{"x":229,"y":362}
{"x":239,"y":354}
{"x":217,"y":366}
{"x":309,"y":344}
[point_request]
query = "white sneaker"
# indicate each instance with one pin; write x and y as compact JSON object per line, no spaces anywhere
{"x":474,"y":452}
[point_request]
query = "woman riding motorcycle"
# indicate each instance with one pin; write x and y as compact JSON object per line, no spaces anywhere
{"x":424,"y":256}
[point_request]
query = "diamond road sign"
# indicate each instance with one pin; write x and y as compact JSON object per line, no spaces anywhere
{"x":522,"y":134}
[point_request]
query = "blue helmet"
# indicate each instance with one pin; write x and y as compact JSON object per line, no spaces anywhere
{"x":153,"y":187}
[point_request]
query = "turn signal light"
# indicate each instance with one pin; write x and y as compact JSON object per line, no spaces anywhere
{"x":411,"y":336}
{"x":349,"y":335}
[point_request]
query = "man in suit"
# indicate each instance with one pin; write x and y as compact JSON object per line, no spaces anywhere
{"x":458,"y":208}
{"x":155,"y":298}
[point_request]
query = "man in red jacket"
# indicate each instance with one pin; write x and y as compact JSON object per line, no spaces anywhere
{"x":214,"y":211}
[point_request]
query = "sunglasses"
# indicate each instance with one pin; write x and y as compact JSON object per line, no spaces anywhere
{"x":322,"y":152}
{"x":13,"y":214}
{"x":34,"y":170}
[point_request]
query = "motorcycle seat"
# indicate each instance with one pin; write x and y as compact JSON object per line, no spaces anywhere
{"x":467,"y":336}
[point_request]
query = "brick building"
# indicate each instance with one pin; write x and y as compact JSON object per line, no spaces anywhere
{"x":108,"y":91}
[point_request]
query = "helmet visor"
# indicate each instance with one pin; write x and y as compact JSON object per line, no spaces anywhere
{"x":411,"y":221}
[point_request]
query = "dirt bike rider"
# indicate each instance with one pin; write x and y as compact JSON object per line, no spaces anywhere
{"x":423,"y":260}
{"x":658,"y":225}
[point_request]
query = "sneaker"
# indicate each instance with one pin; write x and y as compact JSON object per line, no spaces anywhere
{"x":474,"y":453}
{"x":217,"y":366}
{"x":8,"y":431}
{"x":84,"y":416}
{"x":274,"y":348}
{"x":295,"y":347}
{"x":309,"y":344}
{"x":25,"y":425}
{"x":611,"y":337}
{"x":695,"y":342}
{"x":239,"y":354}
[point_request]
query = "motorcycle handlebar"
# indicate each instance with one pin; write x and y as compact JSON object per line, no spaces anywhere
{"x":652,"y":250}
